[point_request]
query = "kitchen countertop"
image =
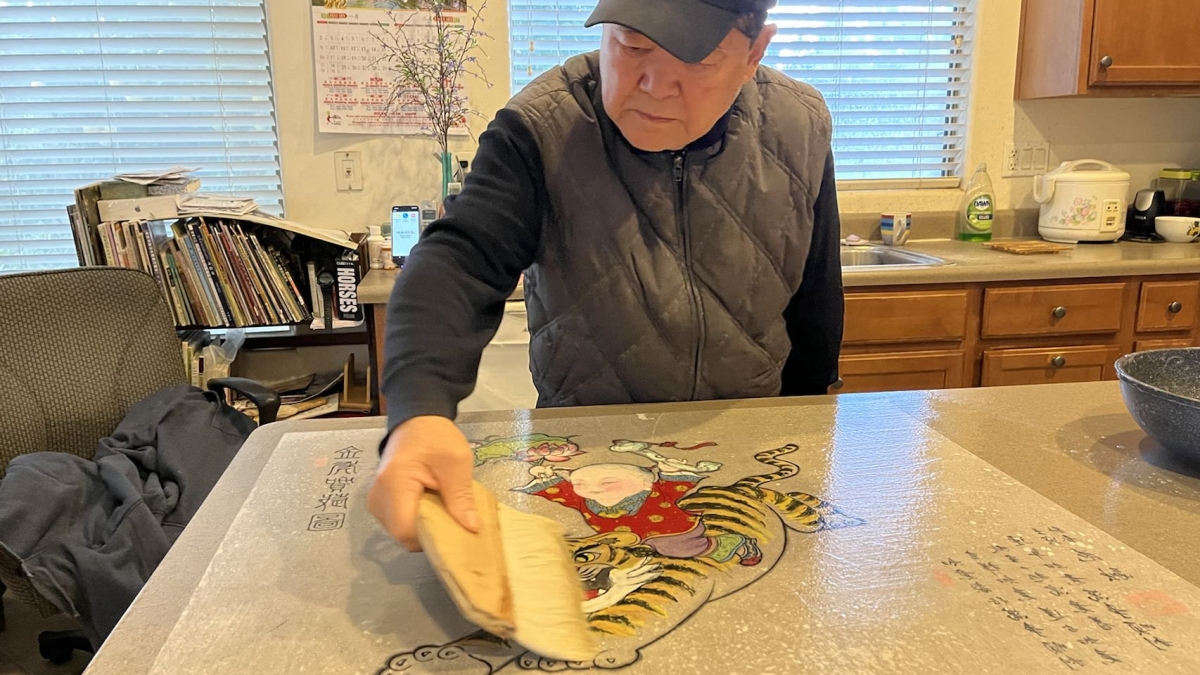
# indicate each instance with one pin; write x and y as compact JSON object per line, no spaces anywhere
{"x":892,"y":460}
{"x":974,"y":263}
{"x":971,"y":263}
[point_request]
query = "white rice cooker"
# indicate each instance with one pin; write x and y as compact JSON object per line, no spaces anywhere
{"x":1080,"y":205}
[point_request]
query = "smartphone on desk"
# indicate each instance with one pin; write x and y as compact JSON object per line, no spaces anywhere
{"x":406,"y":229}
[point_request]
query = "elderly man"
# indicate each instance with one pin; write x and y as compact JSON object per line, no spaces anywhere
{"x":672,"y":204}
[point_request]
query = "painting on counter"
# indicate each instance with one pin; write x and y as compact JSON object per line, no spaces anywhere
{"x":664,"y":543}
{"x":756,"y":541}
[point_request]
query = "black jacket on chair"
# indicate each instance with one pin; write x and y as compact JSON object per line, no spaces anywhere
{"x":90,"y":533}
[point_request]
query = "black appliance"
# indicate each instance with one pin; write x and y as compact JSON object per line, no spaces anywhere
{"x":1147,"y":206}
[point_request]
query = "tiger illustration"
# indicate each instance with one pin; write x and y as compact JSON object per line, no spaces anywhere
{"x":636,"y":594}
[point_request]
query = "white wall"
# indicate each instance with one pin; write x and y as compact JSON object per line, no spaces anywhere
{"x":1140,"y":135}
{"x":396,"y":169}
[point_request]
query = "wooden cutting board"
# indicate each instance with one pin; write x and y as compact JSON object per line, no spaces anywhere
{"x":1031,"y":247}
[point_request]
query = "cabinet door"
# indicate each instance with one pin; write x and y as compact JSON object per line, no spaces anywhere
{"x":902,"y":371}
{"x":1145,"y":42}
{"x":1011,"y":367}
{"x":924,"y":316}
{"x":1052,"y":310}
{"x":1151,"y":345}
{"x":1168,"y":306}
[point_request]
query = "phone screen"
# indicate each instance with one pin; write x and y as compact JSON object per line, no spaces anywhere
{"x":406,"y":229}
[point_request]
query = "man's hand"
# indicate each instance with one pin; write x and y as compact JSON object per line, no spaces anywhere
{"x":424,"y":453}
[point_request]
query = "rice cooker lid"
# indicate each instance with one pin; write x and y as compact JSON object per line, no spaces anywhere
{"x":1088,"y":174}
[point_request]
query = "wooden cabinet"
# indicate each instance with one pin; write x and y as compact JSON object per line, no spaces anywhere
{"x":1168,"y":306}
{"x":1011,"y":333}
{"x":1052,"y":310}
{"x":903,"y":371}
{"x":1151,"y":345}
{"x":1108,"y":47}
{"x":1140,"y":42}
{"x":1010,"y":367}
{"x":934,"y":316}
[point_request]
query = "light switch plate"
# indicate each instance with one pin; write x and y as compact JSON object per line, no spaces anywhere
{"x":347,"y":170}
{"x":1025,"y":159}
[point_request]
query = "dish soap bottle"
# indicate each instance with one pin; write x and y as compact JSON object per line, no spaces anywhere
{"x":978,"y":208}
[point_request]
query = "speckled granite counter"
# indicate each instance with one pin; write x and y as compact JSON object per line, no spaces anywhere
{"x":928,"y":472}
{"x":974,"y":263}
{"x":971,"y":263}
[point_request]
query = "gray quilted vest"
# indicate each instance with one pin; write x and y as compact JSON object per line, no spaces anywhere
{"x":664,"y":276}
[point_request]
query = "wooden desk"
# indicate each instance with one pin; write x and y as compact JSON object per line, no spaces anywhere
{"x":928,"y":493}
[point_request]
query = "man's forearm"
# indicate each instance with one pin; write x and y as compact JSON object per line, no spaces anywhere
{"x":450,"y":296}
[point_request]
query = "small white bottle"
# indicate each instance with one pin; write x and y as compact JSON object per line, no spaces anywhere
{"x":375,"y":247}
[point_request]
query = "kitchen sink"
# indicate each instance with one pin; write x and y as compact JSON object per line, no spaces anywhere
{"x":856,"y":258}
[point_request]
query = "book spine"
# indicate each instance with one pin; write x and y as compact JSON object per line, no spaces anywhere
{"x":244,"y":269}
{"x":119,"y":239}
{"x":208,"y":295}
{"x":289,"y":287}
{"x":285,"y":265}
{"x":195,"y":229}
{"x":229,"y":264}
{"x":241,"y":310}
{"x":273,"y":278}
{"x":152,"y":253}
{"x":314,"y":289}
{"x":175,"y":280}
{"x":201,"y":307}
{"x":106,"y":244}
{"x":79,"y":233}
{"x":133,"y":231}
{"x":178,"y":306}
{"x":133,"y":239}
{"x":257,"y":274}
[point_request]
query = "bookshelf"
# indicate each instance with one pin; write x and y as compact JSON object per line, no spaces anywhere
{"x":223,"y":270}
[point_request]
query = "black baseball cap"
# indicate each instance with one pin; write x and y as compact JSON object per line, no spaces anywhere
{"x":689,"y":29}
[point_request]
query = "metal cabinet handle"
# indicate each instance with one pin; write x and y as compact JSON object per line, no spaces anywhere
{"x":1059,"y":312}
{"x":837,"y":386}
{"x":1175,"y":307}
{"x":1106,"y":61}
{"x":1058,"y":361}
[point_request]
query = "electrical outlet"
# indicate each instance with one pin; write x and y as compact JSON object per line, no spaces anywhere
{"x":347,"y":170}
{"x":1025,"y":159}
{"x":1012,"y":160}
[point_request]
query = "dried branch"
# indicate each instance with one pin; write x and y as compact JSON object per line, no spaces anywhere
{"x":430,"y":64}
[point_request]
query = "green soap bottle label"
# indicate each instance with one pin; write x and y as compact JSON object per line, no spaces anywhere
{"x":980,"y":214}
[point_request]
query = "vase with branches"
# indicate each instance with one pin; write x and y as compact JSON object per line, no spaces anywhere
{"x":432,"y":48}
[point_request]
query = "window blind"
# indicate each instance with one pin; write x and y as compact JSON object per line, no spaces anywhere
{"x":91,"y":88}
{"x":893,"y":72}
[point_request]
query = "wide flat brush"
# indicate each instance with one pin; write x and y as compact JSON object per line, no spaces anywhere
{"x":514,"y":578}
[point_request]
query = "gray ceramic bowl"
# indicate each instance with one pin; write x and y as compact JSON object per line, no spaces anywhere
{"x":1162,"y":391}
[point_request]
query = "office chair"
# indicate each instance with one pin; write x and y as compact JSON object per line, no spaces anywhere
{"x":78,"y":347}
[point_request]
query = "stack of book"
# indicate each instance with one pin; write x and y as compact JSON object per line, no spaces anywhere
{"x":212,"y":272}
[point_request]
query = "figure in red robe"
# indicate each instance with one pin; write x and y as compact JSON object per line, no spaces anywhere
{"x":629,"y":498}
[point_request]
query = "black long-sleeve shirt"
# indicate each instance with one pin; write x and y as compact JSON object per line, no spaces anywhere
{"x":450,"y":298}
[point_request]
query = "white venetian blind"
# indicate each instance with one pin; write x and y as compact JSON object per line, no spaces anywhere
{"x":90,"y":88}
{"x":894,"y":73}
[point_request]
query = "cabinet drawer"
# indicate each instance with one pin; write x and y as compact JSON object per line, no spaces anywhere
{"x":1052,"y":310}
{"x":1010,"y":367}
{"x":1168,"y":305}
{"x":934,"y":316}
{"x":1151,"y":345}
{"x":902,"y":371}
